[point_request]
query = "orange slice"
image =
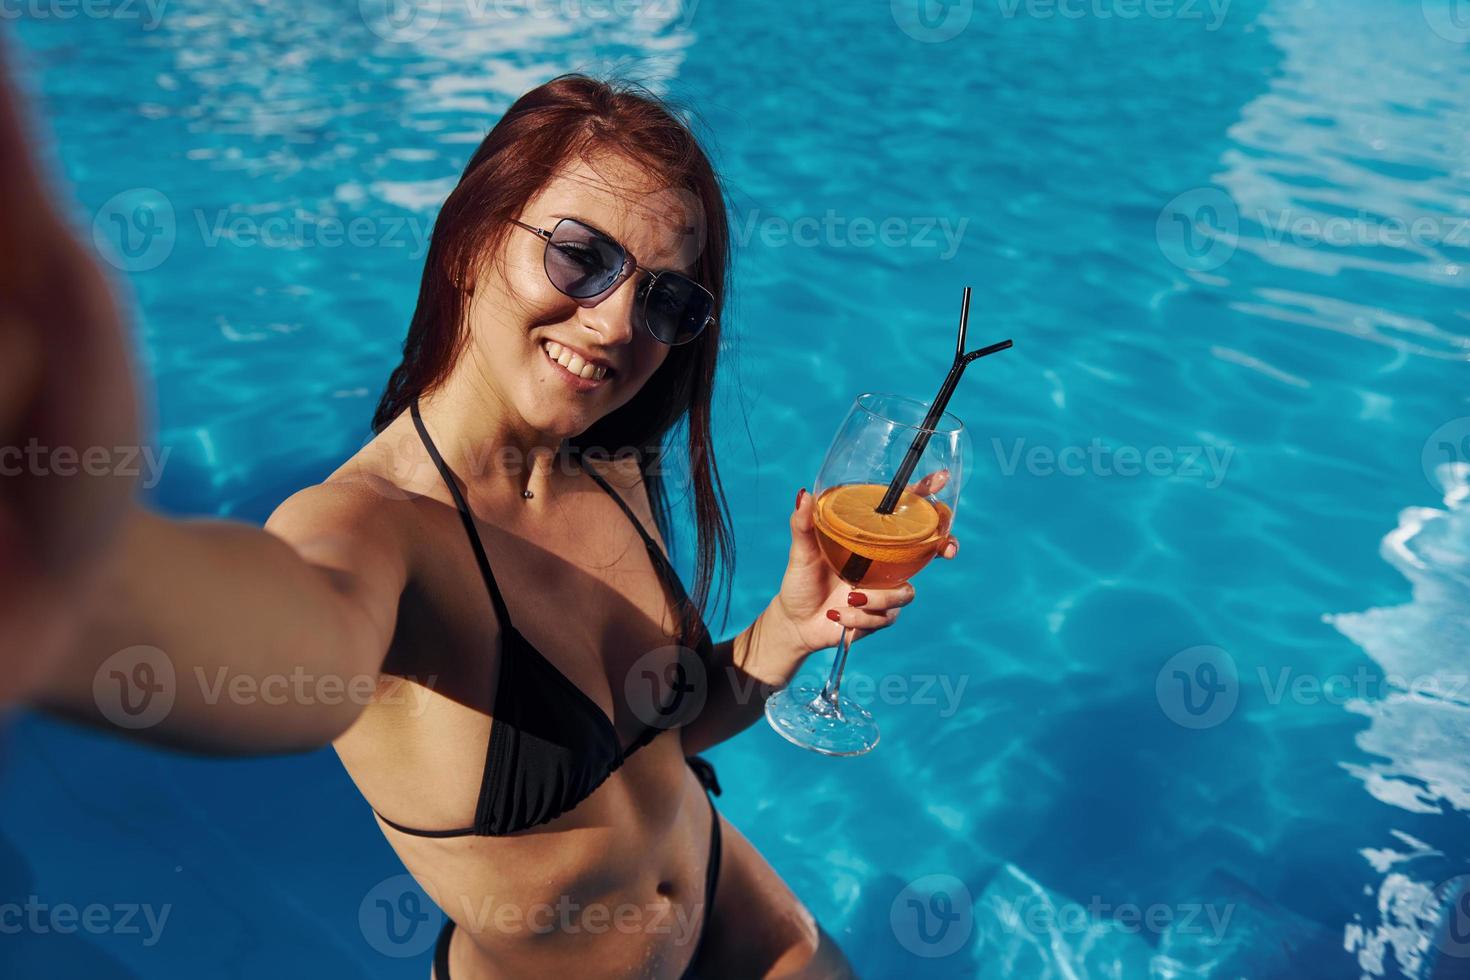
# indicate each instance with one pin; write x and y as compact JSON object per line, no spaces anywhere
{"x":848,"y":511}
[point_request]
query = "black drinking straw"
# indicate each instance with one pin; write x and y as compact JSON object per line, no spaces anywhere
{"x":857,"y":566}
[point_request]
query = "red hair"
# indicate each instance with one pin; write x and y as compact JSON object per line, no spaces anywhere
{"x":569,"y":116}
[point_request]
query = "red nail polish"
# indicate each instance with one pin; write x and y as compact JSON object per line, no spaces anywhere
{"x":857,"y":599}
{"x":834,"y":615}
{"x":799,"y":494}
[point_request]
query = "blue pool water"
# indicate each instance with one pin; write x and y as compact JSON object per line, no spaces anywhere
{"x":1193,"y":702}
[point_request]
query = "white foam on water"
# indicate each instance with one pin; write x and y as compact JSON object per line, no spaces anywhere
{"x":1027,"y":930}
{"x":1420,"y":729}
{"x":318,"y":78}
{"x":1408,"y":912}
{"x":1333,"y":169}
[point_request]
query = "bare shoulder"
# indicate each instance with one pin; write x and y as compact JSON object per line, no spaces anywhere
{"x":333,"y":507}
{"x":359,"y":516}
{"x":353,"y":533}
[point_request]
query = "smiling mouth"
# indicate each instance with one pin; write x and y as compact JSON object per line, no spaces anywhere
{"x":572,"y":362}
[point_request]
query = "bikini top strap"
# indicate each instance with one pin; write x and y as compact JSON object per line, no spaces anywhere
{"x":660,"y":560}
{"x":501,"y":611}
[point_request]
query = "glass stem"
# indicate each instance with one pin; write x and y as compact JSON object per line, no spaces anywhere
{"x":834,"y":679}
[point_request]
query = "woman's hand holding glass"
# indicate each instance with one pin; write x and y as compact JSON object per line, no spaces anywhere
{"x":853,"y":554}
{"x":814,"y":605}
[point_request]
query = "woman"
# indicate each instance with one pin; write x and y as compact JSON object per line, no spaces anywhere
{"x":494,"y":561}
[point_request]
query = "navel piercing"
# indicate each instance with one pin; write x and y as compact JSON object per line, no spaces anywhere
{"x":527,"y":494}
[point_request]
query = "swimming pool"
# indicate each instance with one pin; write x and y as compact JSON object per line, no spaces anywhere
{"x":1193,"y":700}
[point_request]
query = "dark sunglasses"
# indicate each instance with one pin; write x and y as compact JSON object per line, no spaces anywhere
{"x":582,"y":263}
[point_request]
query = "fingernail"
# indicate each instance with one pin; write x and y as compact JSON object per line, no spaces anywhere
{"x":834,"y":615}
{"x":856,"y":599}
{"x":799,"y":494}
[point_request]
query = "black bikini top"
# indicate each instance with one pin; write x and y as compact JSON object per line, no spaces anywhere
{"x":551,"y":745}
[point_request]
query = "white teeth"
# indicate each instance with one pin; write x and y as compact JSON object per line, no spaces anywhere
{"x":573,"y":362}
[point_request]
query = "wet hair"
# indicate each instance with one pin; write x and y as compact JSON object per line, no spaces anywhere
{"x":568,"y":117}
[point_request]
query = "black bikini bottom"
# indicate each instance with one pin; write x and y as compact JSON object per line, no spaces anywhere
{"x":706,"y":774}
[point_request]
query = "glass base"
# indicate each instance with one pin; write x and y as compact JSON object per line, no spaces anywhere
{"x":803,"y":717}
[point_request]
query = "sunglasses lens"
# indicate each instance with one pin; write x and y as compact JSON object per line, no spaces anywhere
{"x":676,"y":308}
{"x":580,"y":262}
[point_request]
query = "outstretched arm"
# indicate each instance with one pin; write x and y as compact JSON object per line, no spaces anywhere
{"x":220,"y":637}
{"x":65,"y":385}
{"x":87,"y":577}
